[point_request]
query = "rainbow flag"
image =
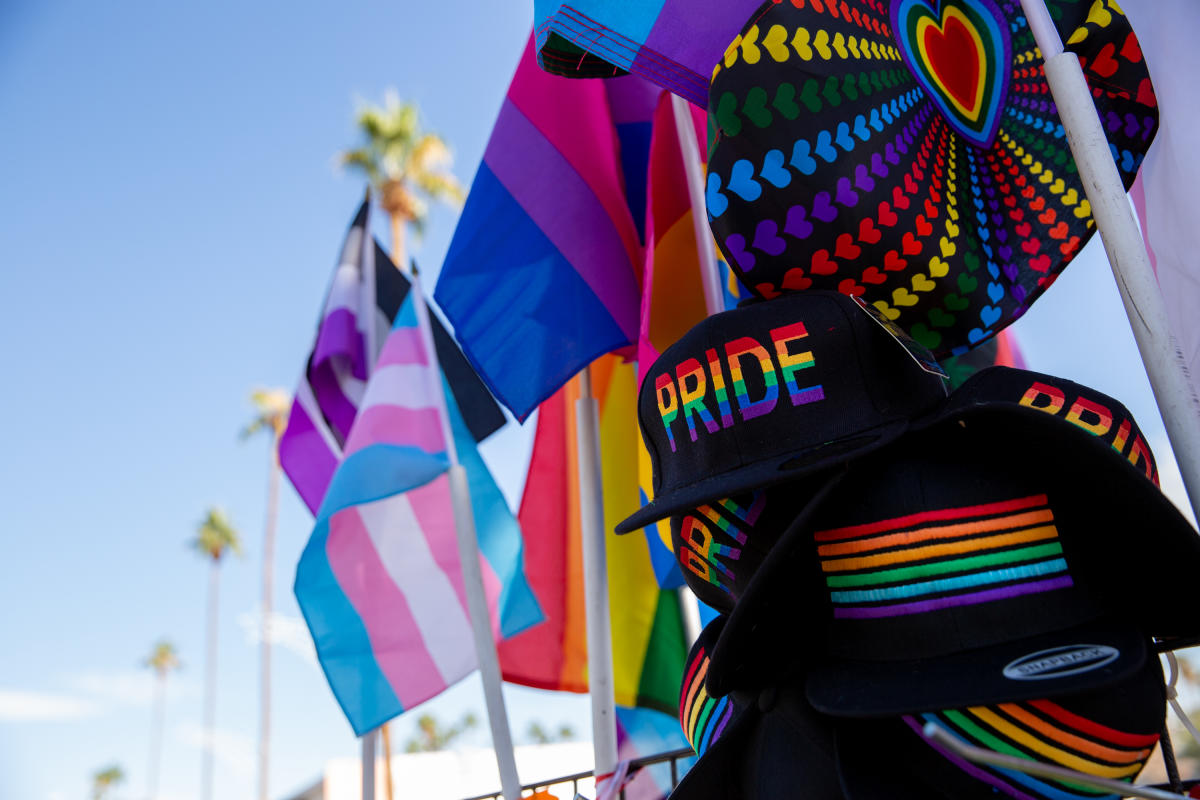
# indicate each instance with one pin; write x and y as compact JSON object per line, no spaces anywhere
{"x":380,"y":580}
{"x":672,"y":43}
{"x":648,"y":641}
{"x":544,"y":268}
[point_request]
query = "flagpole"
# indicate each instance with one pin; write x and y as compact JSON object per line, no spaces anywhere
{"x":595,"y":579}
{"x":1161,"y":356}
{"x":468,"y":553}
{"x":689,"y":147}
{"x":369,"y":748}
{"x":710,"y":279}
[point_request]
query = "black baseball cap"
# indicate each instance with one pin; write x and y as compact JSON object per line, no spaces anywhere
{"x":1129,"y":552}
{"x":1108,"y":733}
{"x":772,"y":391}
{"x":767,"y":743}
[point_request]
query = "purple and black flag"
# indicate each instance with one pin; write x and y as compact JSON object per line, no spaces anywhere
{"x":364,"y":296}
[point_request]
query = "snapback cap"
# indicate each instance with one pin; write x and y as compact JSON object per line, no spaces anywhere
{"x":774,"y":390}
{"x":752,"y":745}
{"x":1109,"y":733}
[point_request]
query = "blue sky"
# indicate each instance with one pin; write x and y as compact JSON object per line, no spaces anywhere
{"x":169,"y":217}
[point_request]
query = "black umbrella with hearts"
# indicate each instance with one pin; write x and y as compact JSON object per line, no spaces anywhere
{"x":909,"y":152}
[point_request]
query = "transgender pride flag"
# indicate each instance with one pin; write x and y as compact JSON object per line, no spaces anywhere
{"x":380,"y":581}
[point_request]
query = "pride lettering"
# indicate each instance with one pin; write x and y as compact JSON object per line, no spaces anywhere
{"x":701,"y":555}
{"x":698,"y":390}
{"x":1094,"y":418}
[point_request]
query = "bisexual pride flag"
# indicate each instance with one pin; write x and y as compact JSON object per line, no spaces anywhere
{"x":380,"y":580}
{"x":544,"y":271}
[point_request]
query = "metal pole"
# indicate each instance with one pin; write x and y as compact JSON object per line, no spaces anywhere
{"x":710,"y":279}
{"x":977,"y":754}
{"x":370,"y":745}
{"x":689,"y":147}
{"x":595,"y":579}
{"x":468,"y":553}
{"x":1164,"y":363}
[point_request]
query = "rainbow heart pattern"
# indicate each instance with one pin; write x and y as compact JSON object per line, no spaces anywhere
{"x":909,"y":152}
{"x":961,"y":56}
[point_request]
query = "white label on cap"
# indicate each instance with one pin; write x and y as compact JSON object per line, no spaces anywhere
{"x":1057,"y":662}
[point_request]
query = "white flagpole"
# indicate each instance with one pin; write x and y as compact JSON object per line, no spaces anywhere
{"x":595,"y":579}
{"x":370,"y":746}
{"x":689,"y":147}
{"x":714,"y":298}
{"x":1164,"y":363}
{"x":468,"y":553}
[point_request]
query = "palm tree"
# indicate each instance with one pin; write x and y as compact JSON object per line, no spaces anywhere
{"x":162,"y":659}
{"x":106,"y":778}
{"x":214,"y":538}
{"x":271,"y":408}
{"x":400,"y":160}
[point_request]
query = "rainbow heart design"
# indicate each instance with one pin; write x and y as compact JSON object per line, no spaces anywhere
{"x":961,"y":54}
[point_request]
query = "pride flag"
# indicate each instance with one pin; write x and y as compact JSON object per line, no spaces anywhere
{"x":648,"y":640}
{"x":380,"y":580}
{"x":364,"y":295}
{"x":674,"y":44}
{"x":543,"y":273}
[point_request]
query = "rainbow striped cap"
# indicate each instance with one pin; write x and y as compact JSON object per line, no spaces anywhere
{"x":761,"y":744}
{"x":1109,"y":733}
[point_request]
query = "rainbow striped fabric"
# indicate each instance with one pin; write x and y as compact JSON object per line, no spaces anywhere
{"x":380,"y":580}
{"x":672,"y":43}
{"x":1041,"y":730}
{"x":943,"y":558}
{"x":702,"y":717}
{"x":648,"y":643}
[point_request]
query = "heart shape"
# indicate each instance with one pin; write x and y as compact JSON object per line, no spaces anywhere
{"x":794,"y":279}
{"x":766,"y":238}
{"x":963,"y":60}
{"x":772,"y":169}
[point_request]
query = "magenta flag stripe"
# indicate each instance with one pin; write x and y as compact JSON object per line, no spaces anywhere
{"x":310,"y":461}
{"x":339,"y":409}
{"x":576,"y":120}
{"x":403,"y":346}
{"x":396,"y":642}
{"x":340,"y":337}
{"x":1003,"y":593}
{"x":576,"y":224}
{"x":420,"y":428}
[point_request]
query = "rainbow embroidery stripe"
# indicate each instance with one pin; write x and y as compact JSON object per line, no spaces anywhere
{"x":1043,"y":731}
{"x":703,"y":717}
{"x":943,"y":559}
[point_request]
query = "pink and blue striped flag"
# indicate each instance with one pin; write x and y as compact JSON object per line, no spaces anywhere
{"x":674,"y":44}
{"x":380,"y":580}
{"x":364,"y":296}
{"x":544,"y":271}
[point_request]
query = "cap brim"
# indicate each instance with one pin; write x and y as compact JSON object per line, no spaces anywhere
{"x":1078,"y":659}
{"x":763,"y":474}
{"x":773,"y":750}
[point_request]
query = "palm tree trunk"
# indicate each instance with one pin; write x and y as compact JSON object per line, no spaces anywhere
{"x":156,"y":732}
{"x":264,"y":726}
{"x":210,"y":684}
{"x":398,"y":254}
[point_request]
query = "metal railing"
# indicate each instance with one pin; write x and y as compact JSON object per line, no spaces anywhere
{"x":635,"y":766}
